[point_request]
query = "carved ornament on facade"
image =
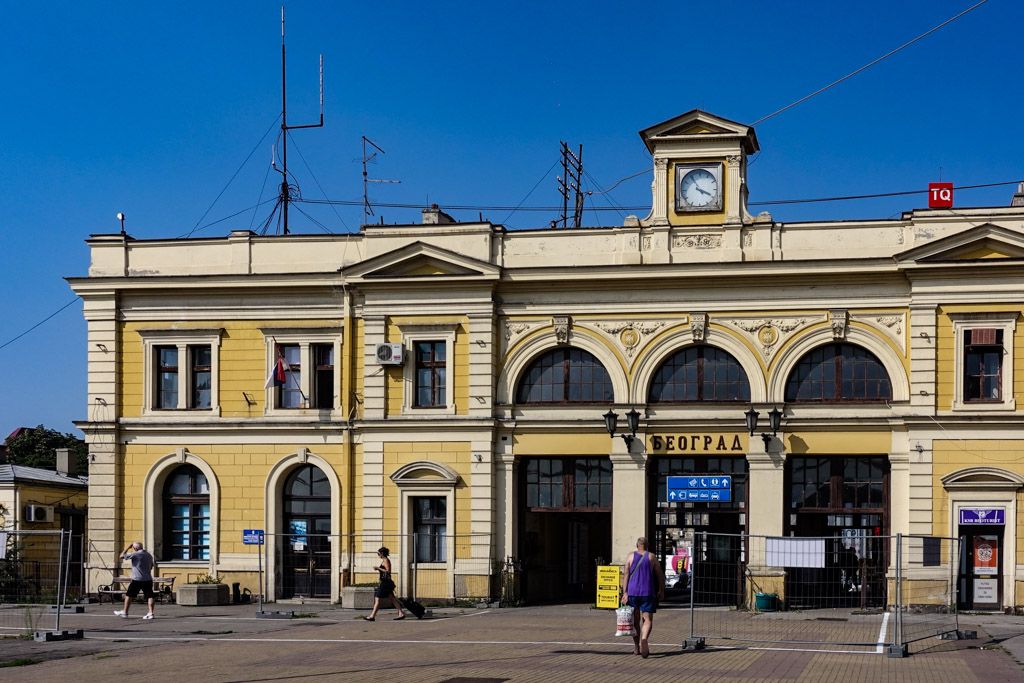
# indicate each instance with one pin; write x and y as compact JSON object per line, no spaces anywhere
{"x":629,"y":333}
{"x":895,"y":322}
{"x":561,"y":323}
{"x":646,"y":243}
{"x":661,"y":164}
{"x":733,"y":159}
{"x":892,"y":325}
{"x":748,"y":239}
{"x":767,"y":332}
{"x":839,"y":318}
{"x":697,"y":241}
{"x":515,"y":330}
{"x":698,"y":326}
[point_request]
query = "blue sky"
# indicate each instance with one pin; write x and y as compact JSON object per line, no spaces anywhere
{"x":128,"y":107}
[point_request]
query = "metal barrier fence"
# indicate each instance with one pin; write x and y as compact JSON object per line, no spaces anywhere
{"x":851,"y":591}
{"x":33,"y":580}
{"x":429,"y":568}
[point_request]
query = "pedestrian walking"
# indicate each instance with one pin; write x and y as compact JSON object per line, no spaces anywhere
{"x":386,"y":587}
{"x":643,"y":586}
{"x":142,"y":578}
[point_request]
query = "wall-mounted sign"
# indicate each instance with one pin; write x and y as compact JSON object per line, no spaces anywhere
{"x":252,"y":536}
{"x":705,"y":488}
{"x":940,"y":195}
{"x":982,"y":516}
{"x":695,"y":443}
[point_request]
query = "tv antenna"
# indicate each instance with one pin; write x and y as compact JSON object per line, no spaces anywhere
{"x":285,"y":195}
{"x":367,"y":209}
{"x":569,"y":183}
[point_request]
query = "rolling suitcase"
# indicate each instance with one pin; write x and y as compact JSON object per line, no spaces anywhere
{"x":416,"y":608}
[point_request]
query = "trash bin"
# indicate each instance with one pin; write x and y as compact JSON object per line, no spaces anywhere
{"x":236,"y":593}
{"x":765,"y":601}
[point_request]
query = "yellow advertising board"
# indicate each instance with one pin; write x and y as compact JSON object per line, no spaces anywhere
{"x":608,"y":581}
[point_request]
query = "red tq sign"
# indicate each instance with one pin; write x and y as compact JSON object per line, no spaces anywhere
{"x":940,"y":195}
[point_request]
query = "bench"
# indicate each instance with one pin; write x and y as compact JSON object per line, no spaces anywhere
{"x":163,"y":586}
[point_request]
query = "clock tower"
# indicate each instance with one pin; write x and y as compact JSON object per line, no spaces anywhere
{"x":700,"y":170}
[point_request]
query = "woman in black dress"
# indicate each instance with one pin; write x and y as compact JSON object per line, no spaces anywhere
{"x":386,"y":588}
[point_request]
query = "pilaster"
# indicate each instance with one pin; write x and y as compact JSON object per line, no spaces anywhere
{"x":629,"y":495}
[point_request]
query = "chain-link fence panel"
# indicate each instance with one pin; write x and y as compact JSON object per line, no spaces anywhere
{"x":926,"y":587}
{"x":821,"y":592}
{"x":32,"y":574}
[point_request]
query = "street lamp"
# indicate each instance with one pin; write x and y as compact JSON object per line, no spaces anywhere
{"x":611,"y":422}
{"x":774,"y":421}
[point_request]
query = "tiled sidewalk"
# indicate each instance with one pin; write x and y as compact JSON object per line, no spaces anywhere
{"x":551,"y":644}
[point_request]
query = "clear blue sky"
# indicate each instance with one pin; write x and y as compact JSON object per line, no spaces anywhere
{"x":149,"y":110}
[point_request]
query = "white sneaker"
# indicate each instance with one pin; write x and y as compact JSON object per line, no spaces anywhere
{"x":121,"y":613}
{"x":148,"y":616}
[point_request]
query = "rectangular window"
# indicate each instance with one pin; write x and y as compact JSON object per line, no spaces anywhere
{"x":290,"y":393}
{"x":323,"y":376}
{"x":838,"y":483}
{"x":190,"y":531}
{"x":201,"y":376}
{"x":166,"y":377}
{"x":983,"y":365}
{"x":430,"y":374}
{"x":569,"y":483}
{"x":430,"y":524}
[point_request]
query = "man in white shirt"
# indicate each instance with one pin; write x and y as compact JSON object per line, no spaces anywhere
{"x":142,"y":578}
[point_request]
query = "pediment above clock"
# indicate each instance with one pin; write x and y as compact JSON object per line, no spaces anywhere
{"x":984,"y":242}
{"x":697,"y":124}
{"x":421,"y":261}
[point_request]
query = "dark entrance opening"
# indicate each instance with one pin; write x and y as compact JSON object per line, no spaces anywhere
{"x":981,"y":581}
{"x":565,"y":526}
{"x":306,"y":571}
{"x":844,"y":500}
{"x":684,"y":530}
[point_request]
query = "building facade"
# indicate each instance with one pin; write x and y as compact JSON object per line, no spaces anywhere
{"x":450,"y":380}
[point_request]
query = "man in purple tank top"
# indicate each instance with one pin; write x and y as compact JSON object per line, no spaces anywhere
{"x":643,"y":585}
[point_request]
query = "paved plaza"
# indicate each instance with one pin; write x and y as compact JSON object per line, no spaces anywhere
{"x":549,"y":643}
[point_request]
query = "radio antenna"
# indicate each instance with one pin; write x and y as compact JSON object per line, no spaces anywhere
{"x":367,"y":209}
{"x":285,"y":196}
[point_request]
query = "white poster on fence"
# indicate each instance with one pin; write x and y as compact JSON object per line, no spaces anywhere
{"x":3,"y":545}
{"x":795,"y":552}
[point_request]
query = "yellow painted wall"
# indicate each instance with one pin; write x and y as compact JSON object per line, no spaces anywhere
{"x":699,"y":217}
{"x":358,"y":341}
{"x":946,"y":352}
{"x":455,"y":455}
{"x":951,"y":455}
{"x":242,"y":359}
{"x":573,"y":443}
{"x":458,"y":365}
{"x":832,"y":443}
{"x":241,"y":472}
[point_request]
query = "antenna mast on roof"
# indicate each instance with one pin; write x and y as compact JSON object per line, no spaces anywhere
{"x":285,"y":196}
{"x":570,"y":182}
{"x":367,"y":209}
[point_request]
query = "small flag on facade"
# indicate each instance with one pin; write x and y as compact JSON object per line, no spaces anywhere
{"x":277,"y":377}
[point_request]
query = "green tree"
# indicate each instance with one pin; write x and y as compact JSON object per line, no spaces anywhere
{"x":38,"y":448}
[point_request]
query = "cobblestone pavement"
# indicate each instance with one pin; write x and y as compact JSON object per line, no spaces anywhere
{"x":549,"y":643}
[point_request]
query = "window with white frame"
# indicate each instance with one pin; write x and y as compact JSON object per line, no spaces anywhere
{"x":430,"y":528}
{"x":984,"y":360}
{"x":181,"y":368}
{"x":428,"y":371}
{"x":307,"y":366}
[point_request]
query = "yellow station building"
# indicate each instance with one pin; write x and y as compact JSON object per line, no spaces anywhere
{"x":450,"y":380}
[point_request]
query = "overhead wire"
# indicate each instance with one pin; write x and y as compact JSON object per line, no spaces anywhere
{"x":546,"y":174}
{"x":11,"y":341}
{"x":313,"y":176}
{"x":234,"y":175}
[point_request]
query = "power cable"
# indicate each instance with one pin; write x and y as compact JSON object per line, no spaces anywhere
{"x":313,"y":176}
{"x":221,"y":220}
{"x":546,"y":174}
{"x":11,"y":341}
{"x":867,"y":66}
{"x":224,"y":189}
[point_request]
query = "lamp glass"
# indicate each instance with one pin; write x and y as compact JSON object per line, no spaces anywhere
{"x":751,"y":417}
{"x":633,"y":420}
{"x":611,"y":421}
{"x":775,"y":419}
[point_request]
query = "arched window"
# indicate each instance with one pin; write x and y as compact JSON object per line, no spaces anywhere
{"x":186,"y":501}
{"x":699,"y":373}
{"x":838,"y":372}
{"x":307,"y":482}
{"x":565,"y":375}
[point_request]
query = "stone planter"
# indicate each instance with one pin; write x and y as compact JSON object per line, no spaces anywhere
{"x":357,"y":597}
{"x":199,"y":594}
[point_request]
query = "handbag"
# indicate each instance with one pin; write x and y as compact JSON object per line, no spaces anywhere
{"x":387,"y":585}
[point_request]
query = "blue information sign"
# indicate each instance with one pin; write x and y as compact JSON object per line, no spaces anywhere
{"x":252,"y":536}
{"x":982,"y":516}
{"x":707,"y":488}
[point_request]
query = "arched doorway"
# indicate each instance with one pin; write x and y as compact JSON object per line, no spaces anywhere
{"x":306,"y":503}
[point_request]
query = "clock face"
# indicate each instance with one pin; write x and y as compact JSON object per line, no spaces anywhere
{"x":699,"y":188}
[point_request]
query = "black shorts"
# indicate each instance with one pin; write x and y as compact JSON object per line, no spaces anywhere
{"x":145,"y":586}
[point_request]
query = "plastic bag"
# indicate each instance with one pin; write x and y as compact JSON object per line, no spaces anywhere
{"x":624,"y":621}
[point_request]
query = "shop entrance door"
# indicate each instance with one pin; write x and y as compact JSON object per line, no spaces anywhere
{"x":980,"y":576}
{"x":307,"y":519}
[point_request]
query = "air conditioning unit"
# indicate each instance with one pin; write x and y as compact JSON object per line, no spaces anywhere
{"x":388,"y":354}
{"x":38,"y":513}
